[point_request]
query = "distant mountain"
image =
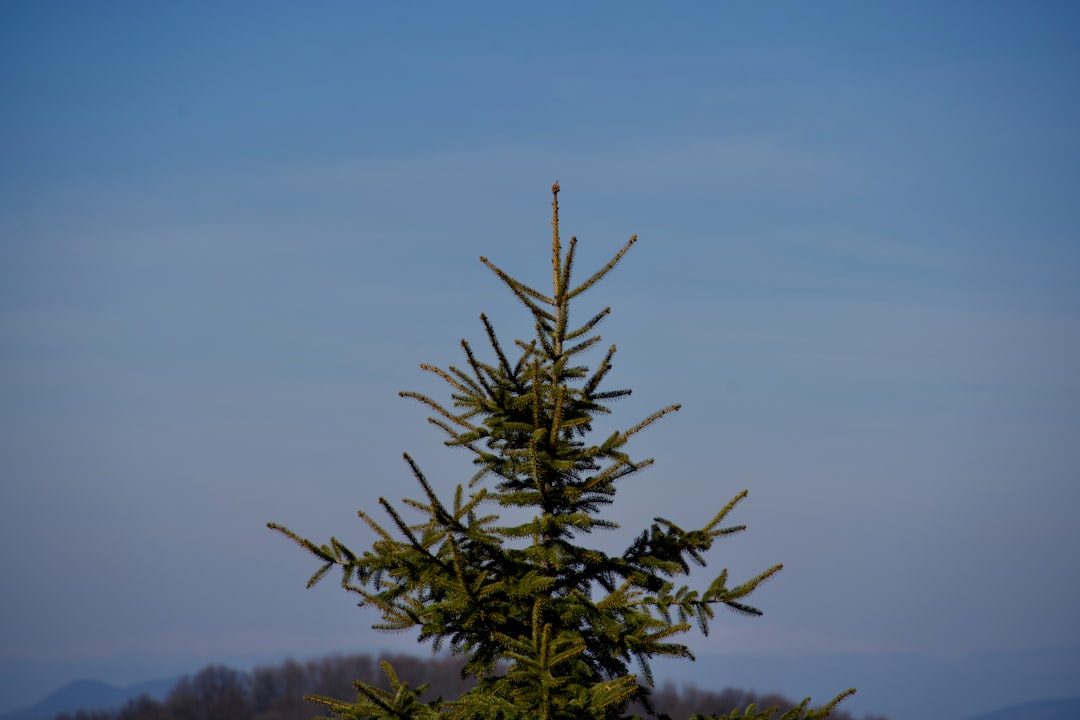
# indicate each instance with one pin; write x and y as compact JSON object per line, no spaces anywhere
{"x":902,"y":687}
{"x":89,"y":695}
{"x":1058,"y":709}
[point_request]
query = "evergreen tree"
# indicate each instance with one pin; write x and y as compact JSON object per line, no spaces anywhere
{"x":549,"y":627}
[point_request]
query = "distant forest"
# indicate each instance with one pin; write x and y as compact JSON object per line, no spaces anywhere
{"x":277,"y":692}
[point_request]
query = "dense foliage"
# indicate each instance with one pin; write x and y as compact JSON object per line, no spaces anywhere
{"x":276,"y":692}
{"x":549,"y":628}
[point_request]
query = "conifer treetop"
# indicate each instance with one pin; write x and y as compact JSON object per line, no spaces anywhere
{"x":549,"y":627}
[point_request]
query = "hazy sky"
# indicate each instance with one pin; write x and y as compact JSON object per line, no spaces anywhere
{"x":229,"y":236}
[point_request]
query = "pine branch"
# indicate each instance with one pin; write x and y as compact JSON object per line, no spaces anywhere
{"x":510,"y":373}
{"x":649,"y":421}
{"x":524,"y":293}
{"x":602,"y":271}
{"x":592,"y":323}
{"x":456,"y":419}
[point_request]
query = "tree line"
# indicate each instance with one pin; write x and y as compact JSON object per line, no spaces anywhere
{"x":277,"y":692}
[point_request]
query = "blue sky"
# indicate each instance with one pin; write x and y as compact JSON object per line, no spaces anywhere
{"x":229,"y":236}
